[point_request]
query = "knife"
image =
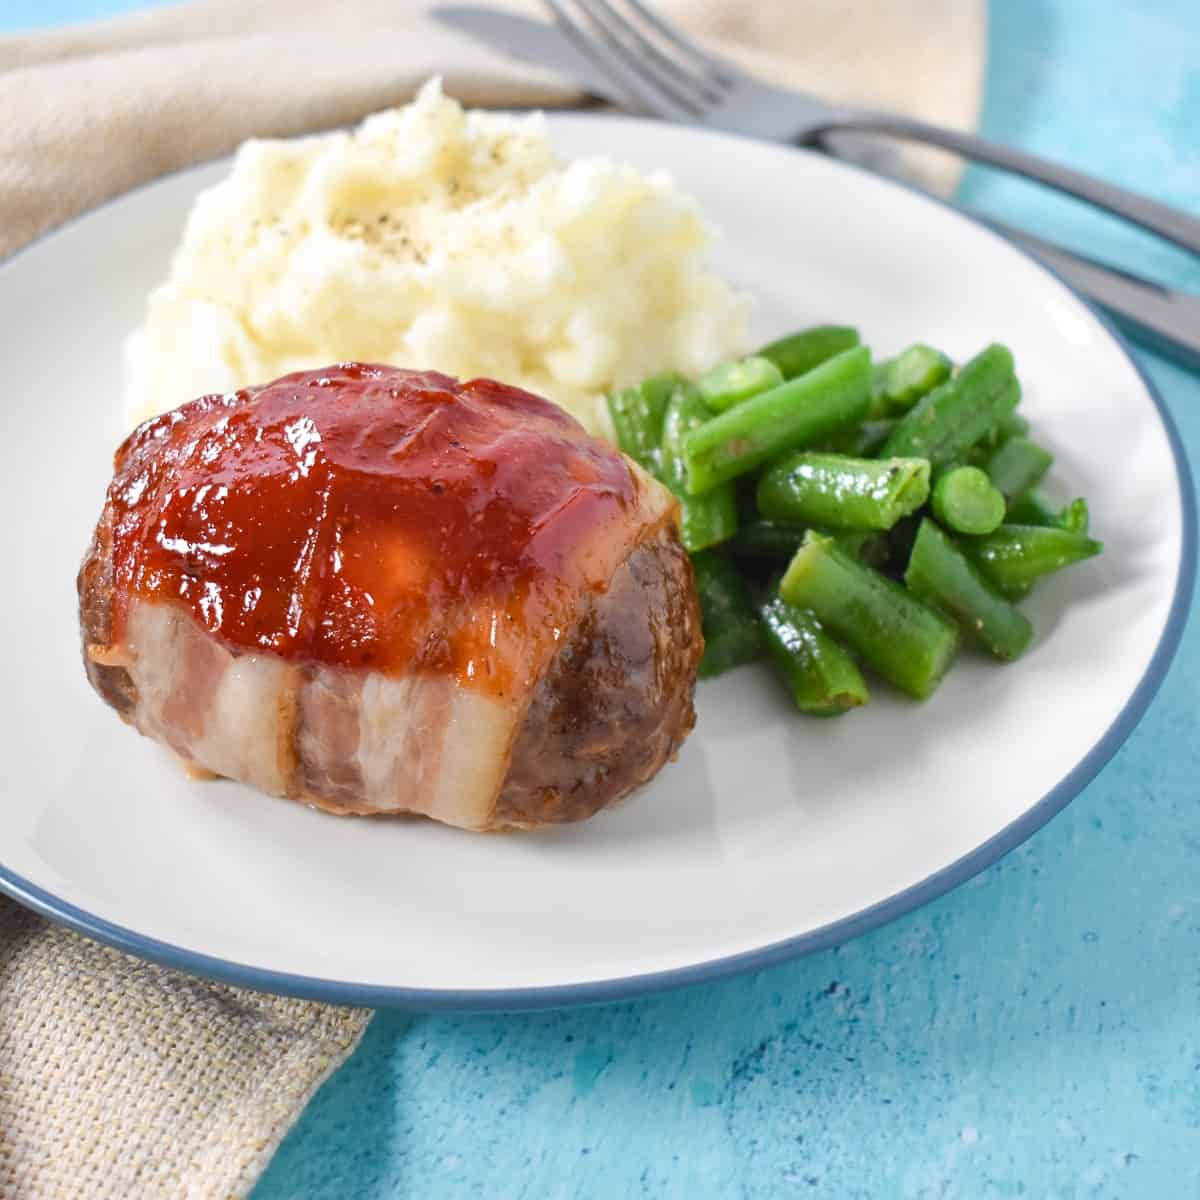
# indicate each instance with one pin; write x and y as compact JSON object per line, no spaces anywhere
{"x":1165,"y":318}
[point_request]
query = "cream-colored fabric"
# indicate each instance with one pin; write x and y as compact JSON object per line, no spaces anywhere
{"x":123,"y":1080}
{"x":120,"y":1080}
{"x":91,"y":111}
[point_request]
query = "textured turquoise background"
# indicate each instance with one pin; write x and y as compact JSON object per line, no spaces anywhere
{"x":1036,"y":1032}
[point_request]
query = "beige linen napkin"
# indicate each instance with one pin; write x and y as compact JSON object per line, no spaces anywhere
{"x":93,"y":110}
{"x":120,"y":1079}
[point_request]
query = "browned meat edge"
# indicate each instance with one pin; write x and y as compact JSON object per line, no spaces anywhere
{"x":616,"y":702}
{"x":95,"y":587}
{"x":613,"y":707}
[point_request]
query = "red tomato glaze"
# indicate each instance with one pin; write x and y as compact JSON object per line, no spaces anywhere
{"x":367,"y":517}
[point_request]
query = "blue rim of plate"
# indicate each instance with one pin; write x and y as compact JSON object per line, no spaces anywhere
{"x":837,"y":932}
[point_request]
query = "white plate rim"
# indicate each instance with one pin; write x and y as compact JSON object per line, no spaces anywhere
{"x":844,"y":929}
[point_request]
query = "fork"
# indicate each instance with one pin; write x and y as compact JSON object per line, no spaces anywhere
{"x":658,"y":70}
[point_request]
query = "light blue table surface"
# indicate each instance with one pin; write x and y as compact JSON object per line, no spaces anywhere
{"x":1036,"y":1032}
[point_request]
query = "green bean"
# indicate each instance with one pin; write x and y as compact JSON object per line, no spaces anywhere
{"x":637,"y":415}
{"x":965,"y":500}
{"x":941,"y":575}
{"x":869,"y":546}
{"x":732,"y":634}
{"x":800,"y":352}
{"x":907,"y":642}
{"x":822,"y":678}
{"x":828,"y":398}
{"x":947,"y":422}
{"x":900,"y":382}
{"x":1017,"y":466}
{"x":837,"y":492}
{"x":863,"y":442}
{"x":871,"y":437}
{"x":1018,"y":555}
{"x":768,"y":541}
{"x":707,"y":520}
{"x":777,"y":541}
{"x":1009,"y":426}
{"x":1033,"y":508}
{"x":1074,"y":518}
{"x":730,"y":383}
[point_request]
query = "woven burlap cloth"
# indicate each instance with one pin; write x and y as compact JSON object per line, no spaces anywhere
{"x":120,"y":1079}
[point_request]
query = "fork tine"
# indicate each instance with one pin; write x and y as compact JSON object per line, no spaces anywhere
{"x":717,"y":69}
{"x":639,"y":92}
{"x":612,"y":31}
{"x":685,"y":84}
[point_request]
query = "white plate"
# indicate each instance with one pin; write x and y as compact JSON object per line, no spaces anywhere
{"x":771,"y":836}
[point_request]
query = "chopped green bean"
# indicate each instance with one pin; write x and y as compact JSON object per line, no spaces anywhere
{"x":1016,"y":556}
{"x":863,"y":442}
{"x":732,"y":634}
{"x":805,"y":455}
{"x":822,"y":678}
{"x":800,"y":352}
{"x":948,"y":421}
{"x":731,"y":383}
{"x":1033,"y":508}
{"x":900,"y":382}
{"x":843,"y":442}
{"x":871,"y":437}
{"x":826,"y":399}
{"x":837,"y":492}
{"x":777,"y":541}
{"x":706,"y":520}
{"x":1017,"y":466}
{"x":637,"y":415}
{"x":869,"y":546}
{"x":768,"y":541}
{"x":965,"y":500}
{"x":1074,"y":518}
{"x":1009,"y":426}
{"x":907,"y":642}
{"x":942,"y":576}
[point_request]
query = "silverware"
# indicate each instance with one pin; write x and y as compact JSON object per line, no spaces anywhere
{"x":669,"y":75}
{"x":653,"y":68}
{"x":1163,"y":317}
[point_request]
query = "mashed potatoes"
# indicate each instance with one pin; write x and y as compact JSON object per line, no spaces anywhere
{"x":435,"y":237}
